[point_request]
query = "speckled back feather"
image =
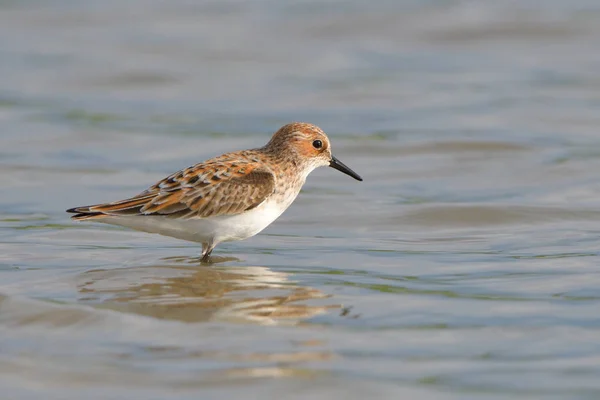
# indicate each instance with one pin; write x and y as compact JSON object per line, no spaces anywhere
{"x":225,"y":185}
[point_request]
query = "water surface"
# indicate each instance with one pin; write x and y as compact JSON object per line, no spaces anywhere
{"x":465,"y":266}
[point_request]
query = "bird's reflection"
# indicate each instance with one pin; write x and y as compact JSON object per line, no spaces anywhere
{"x":182,"y":288}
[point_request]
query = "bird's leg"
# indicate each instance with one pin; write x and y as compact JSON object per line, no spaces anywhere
{"x":207,"y":248}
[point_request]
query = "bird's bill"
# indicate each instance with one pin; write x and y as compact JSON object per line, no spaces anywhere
{"x":340,"y":166}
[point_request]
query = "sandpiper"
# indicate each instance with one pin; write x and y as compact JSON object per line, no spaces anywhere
{"x":230,"y":197}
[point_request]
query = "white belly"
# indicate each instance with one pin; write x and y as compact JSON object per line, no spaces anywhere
{"x":202,"y":230}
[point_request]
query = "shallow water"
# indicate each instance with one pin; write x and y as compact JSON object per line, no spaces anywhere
{"x":466,"y":265}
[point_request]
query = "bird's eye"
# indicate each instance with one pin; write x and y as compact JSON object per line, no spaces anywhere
{"x":317,"y":144}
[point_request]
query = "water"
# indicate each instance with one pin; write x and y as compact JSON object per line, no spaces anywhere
{"x":465,"y":266}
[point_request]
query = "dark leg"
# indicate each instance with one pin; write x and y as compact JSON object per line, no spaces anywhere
{"x":207,"y":248}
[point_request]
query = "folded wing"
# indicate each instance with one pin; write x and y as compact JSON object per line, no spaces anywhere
{"x":200,"y":191}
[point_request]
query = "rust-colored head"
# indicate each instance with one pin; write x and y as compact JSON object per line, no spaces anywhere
{"x":308,"y":146}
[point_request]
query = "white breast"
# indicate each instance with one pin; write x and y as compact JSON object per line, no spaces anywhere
{"x":249,"y":223}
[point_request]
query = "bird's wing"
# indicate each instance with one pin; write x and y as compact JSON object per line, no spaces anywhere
{"x":201,"y":191}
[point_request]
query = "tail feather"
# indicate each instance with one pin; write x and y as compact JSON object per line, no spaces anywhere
{"x":84,"y":216}
{"x":124,"y":207}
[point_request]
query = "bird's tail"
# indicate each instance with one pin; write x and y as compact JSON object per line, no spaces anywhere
{"x":123,"y":207}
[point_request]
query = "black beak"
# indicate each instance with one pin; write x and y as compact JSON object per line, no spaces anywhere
{"x":340,"y":166}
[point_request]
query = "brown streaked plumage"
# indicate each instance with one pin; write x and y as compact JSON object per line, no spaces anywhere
{"x":229,"y":197}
